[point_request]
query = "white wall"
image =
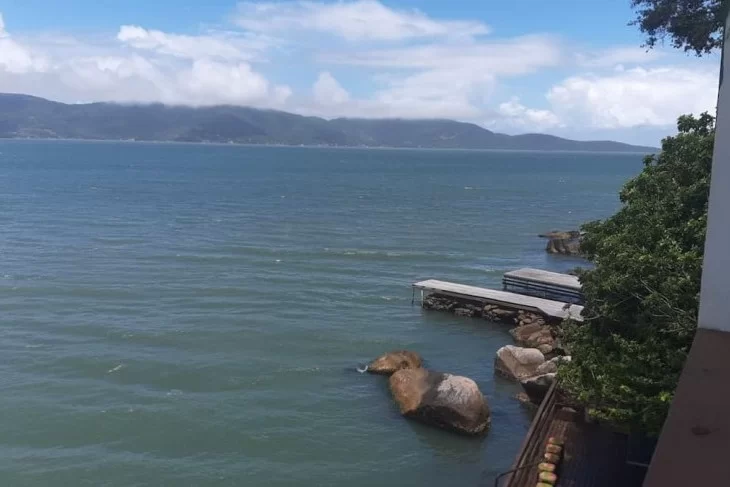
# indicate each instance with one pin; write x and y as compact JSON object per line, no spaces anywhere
{"x":715,"y":296}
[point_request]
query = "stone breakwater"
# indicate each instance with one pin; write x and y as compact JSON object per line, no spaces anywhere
{"x":534,"y":361}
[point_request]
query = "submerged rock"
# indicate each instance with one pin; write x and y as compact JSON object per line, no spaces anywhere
{"x":390,"y":362}
{"x":499,"y":315}
{"x":446,"y":401}
{"x":518,"y":363}
{"x":439,"y":303}
{"x":525,"y":400}
{"x":463,"y":312}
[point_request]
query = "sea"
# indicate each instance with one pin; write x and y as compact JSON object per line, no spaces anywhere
{"x":194,"y":315}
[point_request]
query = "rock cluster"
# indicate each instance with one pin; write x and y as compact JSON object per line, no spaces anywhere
{"x":530,"y":368}
{"x":534,"y":361}
{"x":494,"y":313}
{"x":437,"y":302}
{"x":565,"y":243}
{"x":529,"y":318}
{"x":446,"y":401}
{"x":491,"y":312}
{"x":536,"y":336}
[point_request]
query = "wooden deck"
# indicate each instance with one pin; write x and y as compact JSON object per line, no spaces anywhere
{"x":554,"y":309}
{"x":544,"y":284}
{"x":593,"y":456}
{"x":546,"y":277}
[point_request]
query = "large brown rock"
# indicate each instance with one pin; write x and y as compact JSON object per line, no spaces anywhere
{"x":535,"y":335}
{"x":518,"y":363}
{"x":532,"y":335}
{"x":566,"y":243}
{"x":391,"y":362}
{"x":446,"y":401}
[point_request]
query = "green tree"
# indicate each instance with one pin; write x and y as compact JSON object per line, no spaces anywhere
{"x":642,"y":296}
{"x":692,"y":25}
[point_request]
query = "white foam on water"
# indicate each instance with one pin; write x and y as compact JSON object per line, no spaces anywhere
{"x":114,"y":369}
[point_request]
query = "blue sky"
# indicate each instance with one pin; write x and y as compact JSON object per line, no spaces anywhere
{"x":567,"y":67}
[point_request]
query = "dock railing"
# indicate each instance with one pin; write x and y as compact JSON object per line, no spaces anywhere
{"x":524,"y":470}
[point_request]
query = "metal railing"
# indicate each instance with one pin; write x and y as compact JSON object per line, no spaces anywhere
{"x":531,"y":451}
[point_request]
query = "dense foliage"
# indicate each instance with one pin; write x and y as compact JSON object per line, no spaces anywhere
{"x":642,"y":296}
{"x":692,"y":25}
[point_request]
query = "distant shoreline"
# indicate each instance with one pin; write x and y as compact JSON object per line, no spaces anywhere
{"x":310,"y":146}
{"x":31,"y":117}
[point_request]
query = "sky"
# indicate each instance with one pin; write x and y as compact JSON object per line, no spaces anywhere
{"x":572,"y":68}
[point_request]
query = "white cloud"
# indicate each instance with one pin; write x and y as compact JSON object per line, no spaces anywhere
{"x":635,"y":97}
{"x":428,"y":94}
{"x":167,"y":68}
{"x":435,"y":94}
{"x":328,"y":91}
{"x":446,"y":80}
{"x":507,"y":57}
{"x":356,"y":20}
{"x":184,"y":46}
{"x":449,"y":80}
{"x":620,"y":55}
{"x":209,"y":82}
{"x":517,"y":115}
{"x":117,"y":78}
{"x":16,"y":58}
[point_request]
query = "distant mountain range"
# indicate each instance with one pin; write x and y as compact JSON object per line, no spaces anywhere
{"x":24,"y":116}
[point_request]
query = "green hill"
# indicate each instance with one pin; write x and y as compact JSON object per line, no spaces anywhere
{"x":24,"y":116}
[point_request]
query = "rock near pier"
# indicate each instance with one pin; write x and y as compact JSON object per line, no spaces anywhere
{"x":565,"y":243}
{"x":446,"y":401}
{"x":391,"y":362}
{"x":518,"y":363}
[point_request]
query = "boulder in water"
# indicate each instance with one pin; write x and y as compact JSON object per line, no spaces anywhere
{"x":390,"y":362}
{"x":566,"y":243}
{"x":446,"y":401}
{"x":518,"y":363}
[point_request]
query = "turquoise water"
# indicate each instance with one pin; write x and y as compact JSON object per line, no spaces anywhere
{"x":189,"y":315}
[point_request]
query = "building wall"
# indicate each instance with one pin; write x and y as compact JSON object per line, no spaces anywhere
{"x":715,"y":296}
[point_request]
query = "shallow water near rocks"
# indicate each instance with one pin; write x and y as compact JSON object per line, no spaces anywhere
{"x":194,"y":315}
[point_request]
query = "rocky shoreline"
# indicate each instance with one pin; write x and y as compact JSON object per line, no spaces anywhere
{"x":534,"y":360}
{"x":455,"y":403}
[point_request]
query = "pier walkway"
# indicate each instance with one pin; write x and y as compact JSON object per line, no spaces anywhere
{"x":544,"y":284}
{"x":554,"y":309}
